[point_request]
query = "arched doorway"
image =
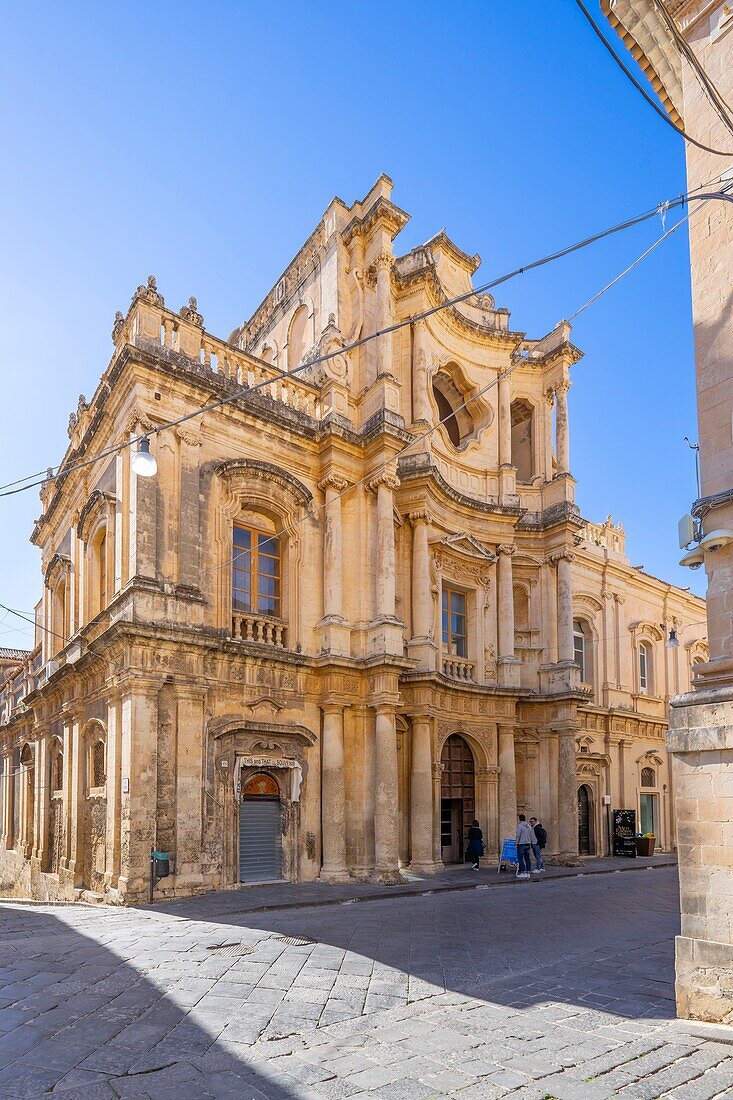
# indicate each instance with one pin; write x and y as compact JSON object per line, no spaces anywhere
{"x":586,"y":838}
{"x":457,"y":798}
{"x":260,"y":830}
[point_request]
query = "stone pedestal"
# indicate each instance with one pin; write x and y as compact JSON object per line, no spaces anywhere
{"x":700,"y":740}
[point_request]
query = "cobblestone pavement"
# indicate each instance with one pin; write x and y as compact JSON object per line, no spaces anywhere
{"x":560,"y":989}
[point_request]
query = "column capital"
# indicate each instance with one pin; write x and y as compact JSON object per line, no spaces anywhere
{"x":330,"y":707}
{"x":383,"y":261}
{"x":333,"y":481}
{"x":386,"y":478}
{"x":421,"y":515}
{"x":506,"y":548}
{"x":562,"y":387}
{"x":561,"y":555}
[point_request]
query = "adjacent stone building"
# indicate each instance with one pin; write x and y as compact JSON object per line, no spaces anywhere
{"x":686,"y":49}
{"x":352,"y":610}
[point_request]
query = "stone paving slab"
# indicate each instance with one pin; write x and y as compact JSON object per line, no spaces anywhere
{"x":563,"y":991}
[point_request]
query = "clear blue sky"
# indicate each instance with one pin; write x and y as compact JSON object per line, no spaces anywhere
{"x":202,"y":142}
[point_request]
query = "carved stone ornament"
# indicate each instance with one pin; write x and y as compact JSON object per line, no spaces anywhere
{"x":469,"y":547}
{"x":190,"y":313}
{"x":118,"y":326}
{"x":386,"y":477}
{"x":505,"y":548}
{"x":149,"y":292}
{"x":336,"y":363}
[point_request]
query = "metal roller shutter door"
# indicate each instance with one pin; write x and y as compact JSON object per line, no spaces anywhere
{"x":260,"y":840}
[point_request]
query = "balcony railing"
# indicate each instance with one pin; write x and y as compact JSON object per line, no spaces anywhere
{"x":458,"y":668}
{"x":259,"y":629}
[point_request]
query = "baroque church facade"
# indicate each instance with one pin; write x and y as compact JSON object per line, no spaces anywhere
{"x":355,"y":607}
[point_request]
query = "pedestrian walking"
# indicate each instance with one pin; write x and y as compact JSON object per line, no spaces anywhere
{"x":525,"y":836}
{"x":539,"y":842}
{"x":475,"y":846}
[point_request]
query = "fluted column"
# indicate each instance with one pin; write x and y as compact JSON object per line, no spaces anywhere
{"x":549,"y":441}
{"x":421,"y":646}
{"x":549,"y":611}
{"x":563,"y":436}
{"x":565,"y":648}
{"x":421,"y":797}
{"x":507,"y":784}
{"x":333,"y":801}
{"x":507,"y":661}
{"x":567,"y":795}
{"x":385,"y":797}
{"x":42,"y":797}
{"x":382,"y":267}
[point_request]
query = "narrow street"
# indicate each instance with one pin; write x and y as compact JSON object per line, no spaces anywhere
{"x":563,"y":989}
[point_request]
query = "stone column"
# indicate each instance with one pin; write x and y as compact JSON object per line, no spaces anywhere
{"x":333,"y":627}
{"x":386,"y":798}
{"x":549,"y":609}
{"x":551,"y":822}
{"x":189,"y":779}
{"x":505,"y":420}
{"x":421,"y":798}
{"x":139,"y":734}
{"x":567,"y":791}
{"x":382,"y":264}
{"x":386,"y":546}
{"x":549,"y":441}
{"x":565,"y":647}
{"x":333,"y":800}
{"x":386,"y":632}
{"x":143,"y":517}
{"x":189,"y":523}
{"x":563,"y":437}
{"x":114,"y":790}
{"x":421,"y":409}
{"x":6,"y":804}
{"x":421,"y":646}
{"x":507,"y":784}
{"x":73,"y":798}
{"x":42,"y":798}
{"x":507,"y":661}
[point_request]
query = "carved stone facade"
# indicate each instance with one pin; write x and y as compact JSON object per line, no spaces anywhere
{"x":341,"y":619}
{"x":686,"y":46}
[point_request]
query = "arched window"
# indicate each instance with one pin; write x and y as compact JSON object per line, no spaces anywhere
{"x":522,"y":416}
{"x":57,"y":768}
{"x":256,"y":569}
{"x":60,"y":615}
{"x":645,"y":668}
{"x":648,"y":777}
{"x":579,"y":648}
{"x":98,"y":764}
{"x":267,"y":355}
{"x":297,"y":337}
{"x":99,"y":591}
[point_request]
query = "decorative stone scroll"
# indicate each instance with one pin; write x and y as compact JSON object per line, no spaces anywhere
{"x":270,"y":762}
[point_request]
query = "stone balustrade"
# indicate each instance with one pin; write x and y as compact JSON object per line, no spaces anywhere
{"x":183,"y":333}
{"x":259,"y":629}
{"x":458,"y":669}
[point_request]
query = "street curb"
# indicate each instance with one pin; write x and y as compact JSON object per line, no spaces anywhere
{"x":424,"y":890}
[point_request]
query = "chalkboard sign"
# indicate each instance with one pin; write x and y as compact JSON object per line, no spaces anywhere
{"x":508,"y":853}
{"x":624,"y":830}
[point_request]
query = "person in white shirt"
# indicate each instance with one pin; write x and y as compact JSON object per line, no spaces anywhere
{"x":525,"y":837}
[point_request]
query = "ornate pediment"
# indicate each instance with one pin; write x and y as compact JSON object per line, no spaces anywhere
{"x":264,"y":707}
{"x":468,"y":547}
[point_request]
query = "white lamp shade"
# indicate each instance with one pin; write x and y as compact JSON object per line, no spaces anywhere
{"x":143,"y":463}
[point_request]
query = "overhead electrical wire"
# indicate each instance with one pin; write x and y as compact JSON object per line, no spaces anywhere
{"x":642,"y":90}
{"x":22,"y":484}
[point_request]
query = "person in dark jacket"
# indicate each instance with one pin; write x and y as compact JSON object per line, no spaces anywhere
{"x":539,"y":843}
{"x":475,"y":846}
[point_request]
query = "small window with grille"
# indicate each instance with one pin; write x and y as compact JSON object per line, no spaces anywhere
{"x":648,"y":777}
